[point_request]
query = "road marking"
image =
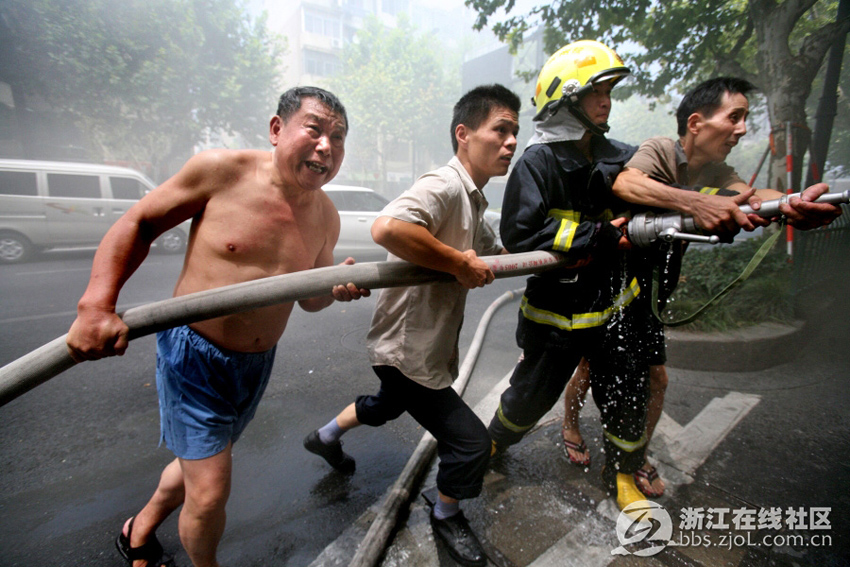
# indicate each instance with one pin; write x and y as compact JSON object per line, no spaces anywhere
{"x":37,"y":317}
{"x":581,"y":547}
{"x":486,"y":407}
{"x":680,"y":450}
{"x":691,"y":445}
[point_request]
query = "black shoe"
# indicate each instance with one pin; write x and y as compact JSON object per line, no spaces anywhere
{"x":459,"y":539}
{"x":331,"y":453}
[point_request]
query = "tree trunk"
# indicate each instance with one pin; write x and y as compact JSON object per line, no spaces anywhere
{"x":827,"y":105}
{"x":786,"y":82}
{"x":382,"y":162}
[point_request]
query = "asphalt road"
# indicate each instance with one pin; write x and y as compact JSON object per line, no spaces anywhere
{"x":79,"y":453}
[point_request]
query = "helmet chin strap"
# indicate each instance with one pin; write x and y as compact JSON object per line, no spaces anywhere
{"x":581,"y":116}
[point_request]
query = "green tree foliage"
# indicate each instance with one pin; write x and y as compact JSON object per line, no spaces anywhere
{"x":672,"y":44}
{"x":399,"y":103}
{"x":145,"y":79}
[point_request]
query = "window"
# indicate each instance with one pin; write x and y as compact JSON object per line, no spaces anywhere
{"x":366,"y":201}
{"x":18,"y":183}
{"x":127,"y":188}
{"x":321,"y":64}
{"x":79,"y":186}
{"x":312,"y":23}
{"x":338,"y":199}
{"x":322,"y":24}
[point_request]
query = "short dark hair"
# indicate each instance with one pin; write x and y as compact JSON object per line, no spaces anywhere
{"x":290,"y":102}
{"x":707,"y":97}
{"x":474,"y":107}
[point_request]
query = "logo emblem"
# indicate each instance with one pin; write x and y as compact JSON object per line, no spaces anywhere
{"x":644,"y":528}
{"x":570,"y":87}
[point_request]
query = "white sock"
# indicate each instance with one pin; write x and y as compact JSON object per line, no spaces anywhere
{"x":443,"y":510}
{"x":330,"y":433}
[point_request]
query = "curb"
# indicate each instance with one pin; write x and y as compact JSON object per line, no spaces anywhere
{"x":743,"y":350}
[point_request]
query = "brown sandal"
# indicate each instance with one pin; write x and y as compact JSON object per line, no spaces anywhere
{"x":578,"y":447}
{"x":649,"y":476}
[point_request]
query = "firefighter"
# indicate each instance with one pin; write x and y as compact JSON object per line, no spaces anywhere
{"x":558,"y":197}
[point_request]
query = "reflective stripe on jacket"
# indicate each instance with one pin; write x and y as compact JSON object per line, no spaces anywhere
{"x":556,"y":200}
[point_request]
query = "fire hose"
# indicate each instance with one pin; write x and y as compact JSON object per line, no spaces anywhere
{"x":35,"y":368}
{"x":646,"y":228}
{"x":27,"y":372}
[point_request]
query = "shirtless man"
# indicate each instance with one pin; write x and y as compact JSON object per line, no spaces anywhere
{"x":255,"y":214}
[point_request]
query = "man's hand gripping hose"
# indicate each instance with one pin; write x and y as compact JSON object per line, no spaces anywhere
{"x":646,"y":228}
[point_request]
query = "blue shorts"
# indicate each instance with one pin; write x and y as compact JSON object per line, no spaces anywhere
{"x":207,"y":394}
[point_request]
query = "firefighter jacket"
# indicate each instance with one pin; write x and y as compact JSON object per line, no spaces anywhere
{"x":556,"y":200}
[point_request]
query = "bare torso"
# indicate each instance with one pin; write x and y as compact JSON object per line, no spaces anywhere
{"x":250,"y":229}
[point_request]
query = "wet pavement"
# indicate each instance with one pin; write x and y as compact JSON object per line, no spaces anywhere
{"x":756,"y":465}
{"x":80,"y":457}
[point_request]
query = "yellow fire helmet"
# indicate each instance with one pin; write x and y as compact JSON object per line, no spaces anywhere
{"x":571,"y":72}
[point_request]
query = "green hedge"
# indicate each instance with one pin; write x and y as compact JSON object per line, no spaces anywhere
{"x":764,"y":296}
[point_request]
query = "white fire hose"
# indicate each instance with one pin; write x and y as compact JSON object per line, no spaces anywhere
{"x":35,"y":368}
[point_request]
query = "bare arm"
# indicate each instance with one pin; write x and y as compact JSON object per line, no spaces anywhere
{"x":713,"y":213}
{"x":801,"y":213}
{"x":414,"y":243}
{"x":346,"y":292}
{"x":98,"y":331}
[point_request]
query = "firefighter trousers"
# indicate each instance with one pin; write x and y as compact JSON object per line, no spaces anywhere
{"x":619,"y":380}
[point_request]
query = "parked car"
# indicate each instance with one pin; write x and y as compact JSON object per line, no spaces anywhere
{"x":46,"y":204}
{"x":358,"y":208}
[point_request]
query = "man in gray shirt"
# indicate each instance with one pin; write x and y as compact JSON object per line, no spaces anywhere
{"x":413,"y":342}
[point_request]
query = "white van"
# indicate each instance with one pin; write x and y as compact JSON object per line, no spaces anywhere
{"x":45,"y":204}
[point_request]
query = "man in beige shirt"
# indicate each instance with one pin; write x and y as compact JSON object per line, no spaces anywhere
{"x":254,"y":214}
{"x":413,"y":342}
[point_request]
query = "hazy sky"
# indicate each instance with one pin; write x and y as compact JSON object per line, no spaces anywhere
{"x":256,"y":6}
